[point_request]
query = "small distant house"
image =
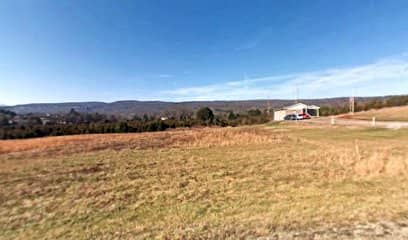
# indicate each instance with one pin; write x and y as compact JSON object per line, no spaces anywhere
{"x":164,"y":118}
{"x":45,"y":121}
{"x":19,"y":120}
{"x":61,"y":122}
{"x":298,"y":108}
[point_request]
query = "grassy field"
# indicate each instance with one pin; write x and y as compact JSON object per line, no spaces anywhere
{"x":384,"y":114}
{"x":212,"y":183}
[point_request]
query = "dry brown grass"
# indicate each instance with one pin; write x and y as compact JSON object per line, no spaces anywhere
{"x":384,"y":114}
{"x":178,"y":138}
{"x":202,"y":183}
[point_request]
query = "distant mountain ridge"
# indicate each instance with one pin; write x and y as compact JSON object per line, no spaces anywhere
{"x":131,"y":108}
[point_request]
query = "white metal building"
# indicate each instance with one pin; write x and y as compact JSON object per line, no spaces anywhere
{"x":297,"y":108}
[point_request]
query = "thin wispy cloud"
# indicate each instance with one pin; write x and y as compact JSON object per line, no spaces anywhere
{"x":163,"y":75}
{"x":248,"y":45}
{"x":254,"y":39}
{"x":386,"y":76}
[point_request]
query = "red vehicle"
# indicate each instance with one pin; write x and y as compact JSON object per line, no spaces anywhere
{"x":305,"y":116}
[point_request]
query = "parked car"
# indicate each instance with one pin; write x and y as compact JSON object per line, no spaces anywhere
{"x":293,"y":117}
{"x":305,"y":116}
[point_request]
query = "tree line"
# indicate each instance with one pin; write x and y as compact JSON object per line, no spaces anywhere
{"x":14,"y":126}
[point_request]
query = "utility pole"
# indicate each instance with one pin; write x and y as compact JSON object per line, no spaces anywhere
{"x":352,"y":103}
{"x":297,"y":93}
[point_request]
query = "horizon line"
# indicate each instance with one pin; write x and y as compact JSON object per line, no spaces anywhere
{"x":215,"y":100}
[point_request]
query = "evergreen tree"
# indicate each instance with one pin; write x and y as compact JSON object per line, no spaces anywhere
{"x":205,"y":115}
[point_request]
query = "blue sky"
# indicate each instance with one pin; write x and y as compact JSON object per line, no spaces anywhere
{"x":59,"y":51}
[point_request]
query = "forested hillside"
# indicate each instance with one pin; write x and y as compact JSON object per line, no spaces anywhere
{"x":130,"y":108}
